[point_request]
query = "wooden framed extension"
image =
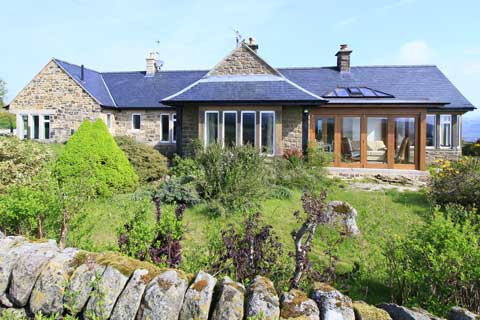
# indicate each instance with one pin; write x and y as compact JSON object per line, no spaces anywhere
{"x":389,"y":137}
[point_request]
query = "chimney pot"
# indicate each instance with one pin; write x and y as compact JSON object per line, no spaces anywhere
{"x":252,"y":44}
{"x":152,"y":66}
{"x":343,"y":58}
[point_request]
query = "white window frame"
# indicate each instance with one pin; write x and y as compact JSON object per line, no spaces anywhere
{"x":254,"y":126}
{"x":449,"y":134}
{"x":170,"y":128}
{"x":133,"y":124}
{"x":459,"y":129}
{"x":274,"y":132}
{"x":109,"y":121}
{"x":49,"y":121}
{"x":205,"y":126}
{"x":223,"y":126}
{"x":434,"y":130}
{"x":173,"y":120}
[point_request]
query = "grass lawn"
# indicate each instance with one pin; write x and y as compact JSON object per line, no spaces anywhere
{"x":380,"y":216}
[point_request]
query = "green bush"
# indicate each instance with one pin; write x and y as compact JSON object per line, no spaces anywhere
{"x":149,"y":164}
{"x":471,"y":149}
{"x":20,"y":160}
{"x":456,"y":183}
{"x":436,"y":266}
{"x":7,"y":120}
{"x":236,"y":177}
{"x":31,"y":209}
{"x":178,"y":190}
{"x":92,"y":157}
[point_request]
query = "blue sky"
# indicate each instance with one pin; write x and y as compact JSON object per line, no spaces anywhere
{"x":116,"y":35}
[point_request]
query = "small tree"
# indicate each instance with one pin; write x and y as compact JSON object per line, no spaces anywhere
{"x":90,"y":165}
{"x":314,"y":207}
{"x":3,"y":92}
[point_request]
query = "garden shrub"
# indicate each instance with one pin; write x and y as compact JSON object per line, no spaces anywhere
{"x":456,"y":182}
{"x":33,"y":208}
{"x":253,"y":249}
{"x":20,"y":160}
{"x":237,"y":177}
{"x":92,"y":157}
{"x":7,"y":120}
{"x":436,"y":266}
{"x":149,"y":164}
{"x":471,"y":149}
{"x":178,"y":190}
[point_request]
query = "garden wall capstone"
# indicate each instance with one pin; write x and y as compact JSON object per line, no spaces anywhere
{"x":37,"y":277}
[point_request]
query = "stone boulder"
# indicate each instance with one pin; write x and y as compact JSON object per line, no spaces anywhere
{"x":295,"y":304}
{"x":343,"y":210}
{"x":262,"y":299}
{"x":457,"y":313}
{"x":79,"y":287}
{"x":196,"y":304}
{"x":332,"y":304}
{"x":129,"y":301}
{"x":27,"y":269}
{"x":47,"y":295}
{"x":397,"y":312}
{"x":163,"y":296}
{"x":105,"y":294}
{"x":365,"y":311}
{"x":230,"y":303}
{"x":10,"y":250}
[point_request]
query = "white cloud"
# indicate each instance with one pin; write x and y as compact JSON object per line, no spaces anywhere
{"x":416,"y":52}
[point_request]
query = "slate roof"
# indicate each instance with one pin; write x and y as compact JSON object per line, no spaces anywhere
{"x":244,"y":88}
{"x":416,"y":84}
{"x":419,"y":83}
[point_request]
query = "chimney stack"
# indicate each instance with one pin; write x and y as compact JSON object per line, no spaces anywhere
{"x":343,"y":58}
{"x":153,"y":64}
{"x":252,"y":44}
{"x":82,"y":73}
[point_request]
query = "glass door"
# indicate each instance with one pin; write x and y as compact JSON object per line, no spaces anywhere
{"x":350,"y":140}
{"x":377,"y":140}
{"x":405,"y":140}
{"x":325,"y":134}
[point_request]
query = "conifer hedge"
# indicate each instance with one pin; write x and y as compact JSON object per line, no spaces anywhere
{"x":92,"y":158}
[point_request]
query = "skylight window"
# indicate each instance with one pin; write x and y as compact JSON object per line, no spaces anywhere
{"x":357,"y":92}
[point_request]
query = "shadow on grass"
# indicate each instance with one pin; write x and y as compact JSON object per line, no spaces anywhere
{"x":416,"y":200}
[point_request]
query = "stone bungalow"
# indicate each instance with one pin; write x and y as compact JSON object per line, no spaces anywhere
{"x":366,"y":116}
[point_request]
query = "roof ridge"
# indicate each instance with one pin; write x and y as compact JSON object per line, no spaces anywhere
{"x":363,"y":66}
{"x":162,"y":71}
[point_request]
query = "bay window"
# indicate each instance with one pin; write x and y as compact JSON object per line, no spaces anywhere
{"x":229,"y":128}
{"x":248,"y":127}
{"x":445,"y":130}
{"x":267,"y":132}
{"x":211,"y":127}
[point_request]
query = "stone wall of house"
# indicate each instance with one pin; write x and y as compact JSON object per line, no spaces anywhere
{"x":149,"y":132}
{"x":292,"y":128}
{"x":241,"y":61}
{"x":52,"y":89}
{"x":442,"y":154}
{"x":189,"y":126}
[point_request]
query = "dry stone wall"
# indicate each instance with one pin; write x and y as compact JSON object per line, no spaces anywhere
{"x":39,"y":278}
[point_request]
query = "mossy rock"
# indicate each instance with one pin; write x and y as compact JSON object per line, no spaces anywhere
{"x":364,"y":311}
{"x":125,"y":265}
